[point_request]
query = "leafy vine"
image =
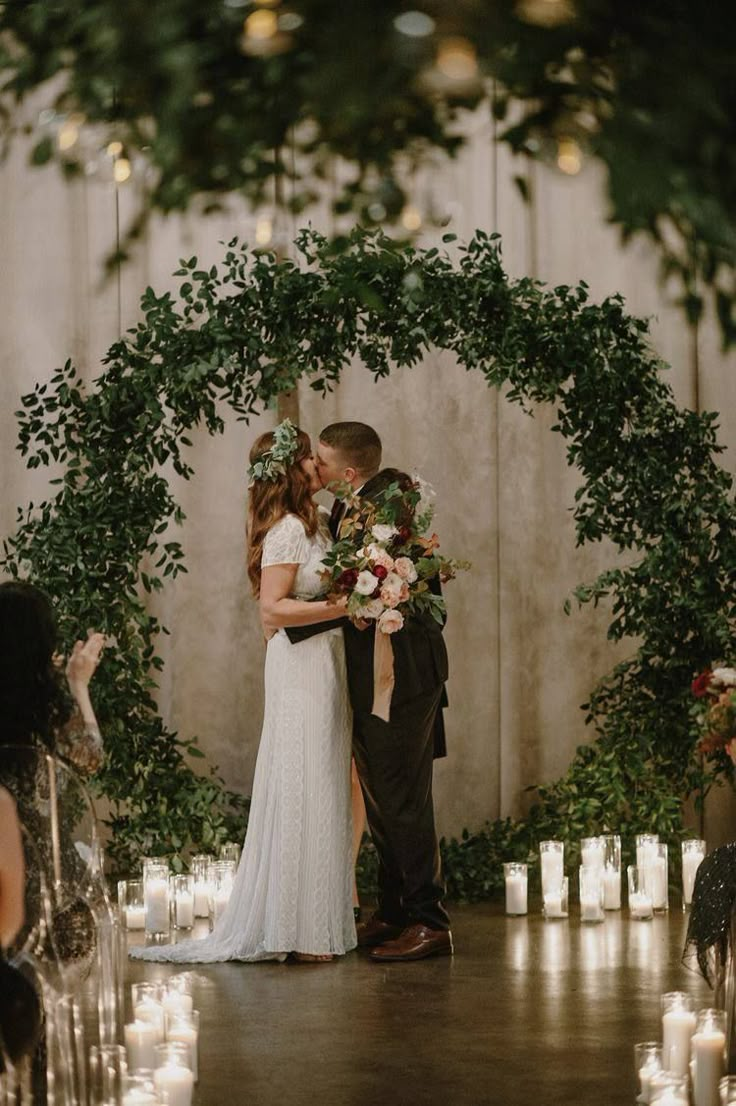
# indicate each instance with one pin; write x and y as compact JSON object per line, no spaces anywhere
{"x":245,"y":331}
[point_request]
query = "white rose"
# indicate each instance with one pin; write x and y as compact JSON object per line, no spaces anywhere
{"x":404,"y":567}
{"x":393,"y":582}
{"x":726,"y":676}
{"x":390,"y":622}
{"x":383,"y":532}
{"x":374,"y":609}
{"x":366,"y":583}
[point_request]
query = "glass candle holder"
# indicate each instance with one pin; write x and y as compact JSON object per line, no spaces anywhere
{"x":612,"y":872}
{"x":198,"y":869}
{"x":640,"y":899}
{"x":108,"y":1069}
{"x":230,"y":851}
{"x":148,"y":1005}
{"x":141,"y":1038}
{"x":139,"y":1089}
{"x":709,"y":1053}
{"x":178,"y":998}
{"x":727,"y":1090}
{"x":678,"y":1026}
{"x":184,"y":1029}
{"x":555,"y":900}
{"x":667,"y":1089}
{"x":222,"y":876}
{"x":647,"y":1063}
{"x":181,"y":889}
{"x":592,"y":852}
{"x":645,"y":843}
{"x":551,"y":864}
{"x":693,"y":853}
{"x":156,"y":897}
{"x":131,"y":904}
{"x":591,"y":894}
{"x":656,"y":877}
{"x":516,"y":880}
{"x":172,"y":1075}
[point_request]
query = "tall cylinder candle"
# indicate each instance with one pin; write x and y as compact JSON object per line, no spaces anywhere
{"x":678,"y":1026}
{"x":515,"y":877}
{"x":709,"y":1053}
{"x":693,"y":853}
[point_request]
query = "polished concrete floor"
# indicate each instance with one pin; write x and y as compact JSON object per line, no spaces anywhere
{"x":527,"y":1013}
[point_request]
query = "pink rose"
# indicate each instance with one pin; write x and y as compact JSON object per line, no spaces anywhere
{"x":390,"y":597}
{"x":404,"y":567}
{"x":390,"y":622}
{"x":379,"y":556}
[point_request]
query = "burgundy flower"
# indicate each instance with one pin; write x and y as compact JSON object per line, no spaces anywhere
{"x":404,"y":534}
{"x":348,"y":578}
{"x":380,"y":572}
{"x":701,"y":684}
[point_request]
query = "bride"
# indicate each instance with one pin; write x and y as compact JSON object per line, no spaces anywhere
{"x":293,"y":888}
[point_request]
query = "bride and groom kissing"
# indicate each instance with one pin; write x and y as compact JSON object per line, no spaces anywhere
{"x":292,"y":895}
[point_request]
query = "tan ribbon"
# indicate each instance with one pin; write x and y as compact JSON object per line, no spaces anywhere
{"x":383,"y":674}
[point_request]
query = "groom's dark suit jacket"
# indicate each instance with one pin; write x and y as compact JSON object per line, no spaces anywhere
{"x":420,"y":655}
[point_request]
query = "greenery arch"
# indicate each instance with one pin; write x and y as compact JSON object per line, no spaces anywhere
{"x":248,"y":330}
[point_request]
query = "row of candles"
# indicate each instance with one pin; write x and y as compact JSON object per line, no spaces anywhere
{"x":159,"y":900}
{"x":158,"y":1064}
{"x":690,"y":1057}
{"x":600,"y":878}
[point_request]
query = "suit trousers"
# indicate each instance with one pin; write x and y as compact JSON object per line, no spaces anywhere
{"x":394,"y":762}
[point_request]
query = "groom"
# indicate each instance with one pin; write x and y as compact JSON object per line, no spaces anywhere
{"x":394,"y":758}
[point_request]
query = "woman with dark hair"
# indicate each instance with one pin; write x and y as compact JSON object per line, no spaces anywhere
{"x":35,"y":706}
{"x":292,"y":892}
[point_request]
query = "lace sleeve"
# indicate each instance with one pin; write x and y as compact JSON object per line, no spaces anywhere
{"x":81,"y":744}
{"x":286,"y":543}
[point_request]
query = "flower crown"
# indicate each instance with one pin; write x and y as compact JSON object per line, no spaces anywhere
{"x":275,"y":461}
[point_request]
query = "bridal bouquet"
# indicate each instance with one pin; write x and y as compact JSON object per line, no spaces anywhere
{"x":385,"y":560}
{"x":717,"y":690}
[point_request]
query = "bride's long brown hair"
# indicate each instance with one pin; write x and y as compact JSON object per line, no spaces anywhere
{"x":270,"y":500}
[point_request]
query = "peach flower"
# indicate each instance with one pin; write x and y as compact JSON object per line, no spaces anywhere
{"x":390,"y":622}
{"x":404,"y":567}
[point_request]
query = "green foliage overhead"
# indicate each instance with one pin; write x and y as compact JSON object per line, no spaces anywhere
{"x":241,"y":333}
{"x":211,"y":109}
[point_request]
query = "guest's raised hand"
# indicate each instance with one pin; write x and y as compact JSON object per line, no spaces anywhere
{"x":84,"y":659}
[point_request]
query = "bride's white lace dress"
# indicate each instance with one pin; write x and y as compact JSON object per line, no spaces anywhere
{"x":293,"y":888}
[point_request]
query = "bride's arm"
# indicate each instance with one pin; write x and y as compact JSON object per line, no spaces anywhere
{"x":278,"y":609}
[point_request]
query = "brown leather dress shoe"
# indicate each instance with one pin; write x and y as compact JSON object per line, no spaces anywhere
{"x":375,"y":931}
{"x":415,"y":943}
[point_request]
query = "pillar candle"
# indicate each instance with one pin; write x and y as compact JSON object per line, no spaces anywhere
{"x":552,"y":870}
{"x":201,"y":899}
{"x":220,"y":899}
{"x":153,"y":1013}
{"x":140,"y":1040}
{"x":593,"y":854}
{"x":678,"y":1027}
{"x":177,"y":1002}
{"x":645,"y":1078}
{"x":187,"y":1035}
{"x":612,"y":888}
{"x":135,"y":917}
{"x":175,"y":1084}
{"x":657,"y":880}
{"x":157,"y":905}
{"x":591,"y":910}
{"x":708,"y":1052}
{"x":691,"y":861}
{"x":184,"y":907}
{"x":516,"y":894}
{"x":640,"y":905}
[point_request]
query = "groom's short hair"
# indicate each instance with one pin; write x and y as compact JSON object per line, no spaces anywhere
{"x":358,"y":444}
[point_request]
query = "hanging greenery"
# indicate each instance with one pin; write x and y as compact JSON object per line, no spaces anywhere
{"x":258,"y":97}
{"x":241,"y":333}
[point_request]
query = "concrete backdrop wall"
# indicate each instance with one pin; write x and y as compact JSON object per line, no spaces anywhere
{"x":519,"y":667}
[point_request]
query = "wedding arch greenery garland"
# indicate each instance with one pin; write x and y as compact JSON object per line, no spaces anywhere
{"x":245,"y":331}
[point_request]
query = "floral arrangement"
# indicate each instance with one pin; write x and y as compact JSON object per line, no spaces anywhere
{"x":275,"y":461}
{"x":717,"y":689}
{"x":385,"y":560}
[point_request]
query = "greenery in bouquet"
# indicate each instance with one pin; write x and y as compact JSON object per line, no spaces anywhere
{"x":386,"y":561}
{"x":715,"y":689}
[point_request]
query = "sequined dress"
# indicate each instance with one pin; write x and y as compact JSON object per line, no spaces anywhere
{"x":293,"y":887}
